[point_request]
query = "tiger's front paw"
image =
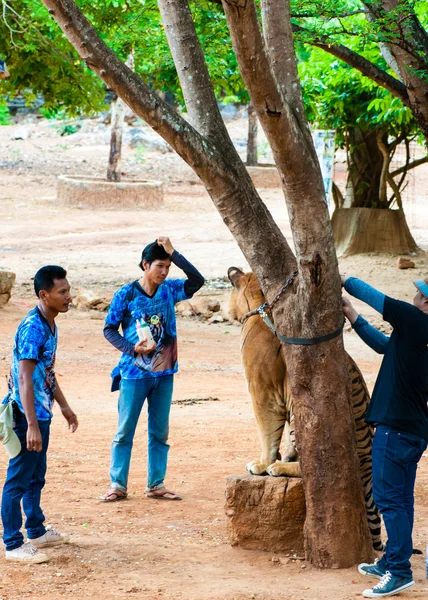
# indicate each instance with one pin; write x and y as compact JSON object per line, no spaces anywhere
{"x":256,"y":468}
{"x":280,"y":469}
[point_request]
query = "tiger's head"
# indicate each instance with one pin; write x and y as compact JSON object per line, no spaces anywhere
{"x":246,"y":293}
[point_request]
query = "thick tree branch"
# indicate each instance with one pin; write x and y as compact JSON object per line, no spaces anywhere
{"x":275,"y":113}
{"x":278,"y":35}
{"x":191,"y":68}
{"x":412,"y":165}
{"x":386,"y":50}
{"x":355,"y":60}
{"x":409,"y":45}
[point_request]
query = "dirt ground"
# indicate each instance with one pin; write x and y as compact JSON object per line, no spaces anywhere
{"x":144,"y":548}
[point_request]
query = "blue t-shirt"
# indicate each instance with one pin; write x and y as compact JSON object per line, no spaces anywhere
{"x":130,"y":304}
{"x":34,"y":340}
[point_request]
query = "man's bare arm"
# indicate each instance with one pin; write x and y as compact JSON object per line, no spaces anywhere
{"x":26,"y":393}
{"x":67,"y":413}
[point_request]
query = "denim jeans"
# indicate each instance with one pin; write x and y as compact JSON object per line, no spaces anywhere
{"x":395,"y":461}
{"x":25,"y":480}
{"x":133,"y":393}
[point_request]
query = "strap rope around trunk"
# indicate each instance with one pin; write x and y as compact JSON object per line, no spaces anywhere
{"x":261,"y":311}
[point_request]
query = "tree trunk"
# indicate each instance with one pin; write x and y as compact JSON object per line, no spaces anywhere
{"x":336,"y":528}
{"x":365,"y":163}
{"x":252,"y":137}
{"x":118,"y":108}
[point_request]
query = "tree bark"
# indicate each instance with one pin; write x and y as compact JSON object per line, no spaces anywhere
{"x":118,"y":108}
{"x":252,"y":137}
{"x":336,"y":528}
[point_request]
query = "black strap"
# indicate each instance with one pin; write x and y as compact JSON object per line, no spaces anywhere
{"x":302,"y":341}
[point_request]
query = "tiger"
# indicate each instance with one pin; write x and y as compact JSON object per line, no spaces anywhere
{"x":266,"y":375}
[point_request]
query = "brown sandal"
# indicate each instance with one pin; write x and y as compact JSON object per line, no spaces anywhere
{"x":114,"y":495}
{"x":162,"y":494}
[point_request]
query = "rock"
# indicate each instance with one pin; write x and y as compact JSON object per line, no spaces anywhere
{"x":228,"y":111}
{"x":21,"y":133}
{"x":87,"y":300}
{"x":405,"y":263}
{"x":7,"y":279}
{"x":216,"y":318}
{"x":149,"y":140}
{"x":184,"y":309}
{"x":205,"y":305}
{"x":265,"y":513}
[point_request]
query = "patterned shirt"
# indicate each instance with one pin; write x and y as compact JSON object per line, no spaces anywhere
{"x":130,"y":304}
{"x":34,"y":340}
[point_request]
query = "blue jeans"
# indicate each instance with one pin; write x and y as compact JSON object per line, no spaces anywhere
{"x":133,"y":392}
{"x":25,"y":480}
{"x":395,"y":461}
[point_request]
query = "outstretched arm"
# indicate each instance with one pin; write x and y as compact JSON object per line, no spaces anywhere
{"x":365,"y":292}
{"x":374,"y":338}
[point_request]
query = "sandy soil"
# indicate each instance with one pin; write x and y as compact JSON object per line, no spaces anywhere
{"x":145,"y":548}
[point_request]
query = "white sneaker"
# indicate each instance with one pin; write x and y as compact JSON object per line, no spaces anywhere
{"x":52,"y":537}
{"x":26,"y":553}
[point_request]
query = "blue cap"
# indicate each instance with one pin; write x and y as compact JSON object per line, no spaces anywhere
{"x":422,"y":285}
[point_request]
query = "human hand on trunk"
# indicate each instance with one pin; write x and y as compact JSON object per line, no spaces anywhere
{"x":349,"y":311}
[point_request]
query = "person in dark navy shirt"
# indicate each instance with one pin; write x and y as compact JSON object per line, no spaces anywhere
{"x":146,"y":370}
{"x":399,"y":411}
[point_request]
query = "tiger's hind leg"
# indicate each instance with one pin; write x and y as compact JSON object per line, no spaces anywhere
{"x":290,"y":451}
{"x":289,"y":466}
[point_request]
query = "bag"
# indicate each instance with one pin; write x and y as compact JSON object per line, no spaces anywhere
{"x":8,"y":437}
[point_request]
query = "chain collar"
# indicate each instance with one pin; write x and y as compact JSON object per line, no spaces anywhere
{"x":261,"y":310}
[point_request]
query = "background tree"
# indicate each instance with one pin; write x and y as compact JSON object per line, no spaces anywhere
{"x":370,"y":124}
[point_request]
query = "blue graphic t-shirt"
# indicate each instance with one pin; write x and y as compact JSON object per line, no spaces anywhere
{"x":130,"y":304}
{"x":34,"y":340}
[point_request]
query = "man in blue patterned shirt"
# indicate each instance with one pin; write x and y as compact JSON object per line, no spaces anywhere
{"x":146,"y":370}
{"x":32,"y":390}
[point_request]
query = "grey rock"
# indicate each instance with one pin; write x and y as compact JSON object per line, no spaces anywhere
{"x":228,"y":111}
{"x":21,"y":133}
{"x":150,"y":141}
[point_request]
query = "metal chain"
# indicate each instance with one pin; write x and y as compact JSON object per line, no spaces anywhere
{"x":282,"y":290}
{"x":261,"y":310}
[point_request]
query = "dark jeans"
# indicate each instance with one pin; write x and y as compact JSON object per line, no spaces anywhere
{"x":25,"y":479}
{"x":395,"y":461}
